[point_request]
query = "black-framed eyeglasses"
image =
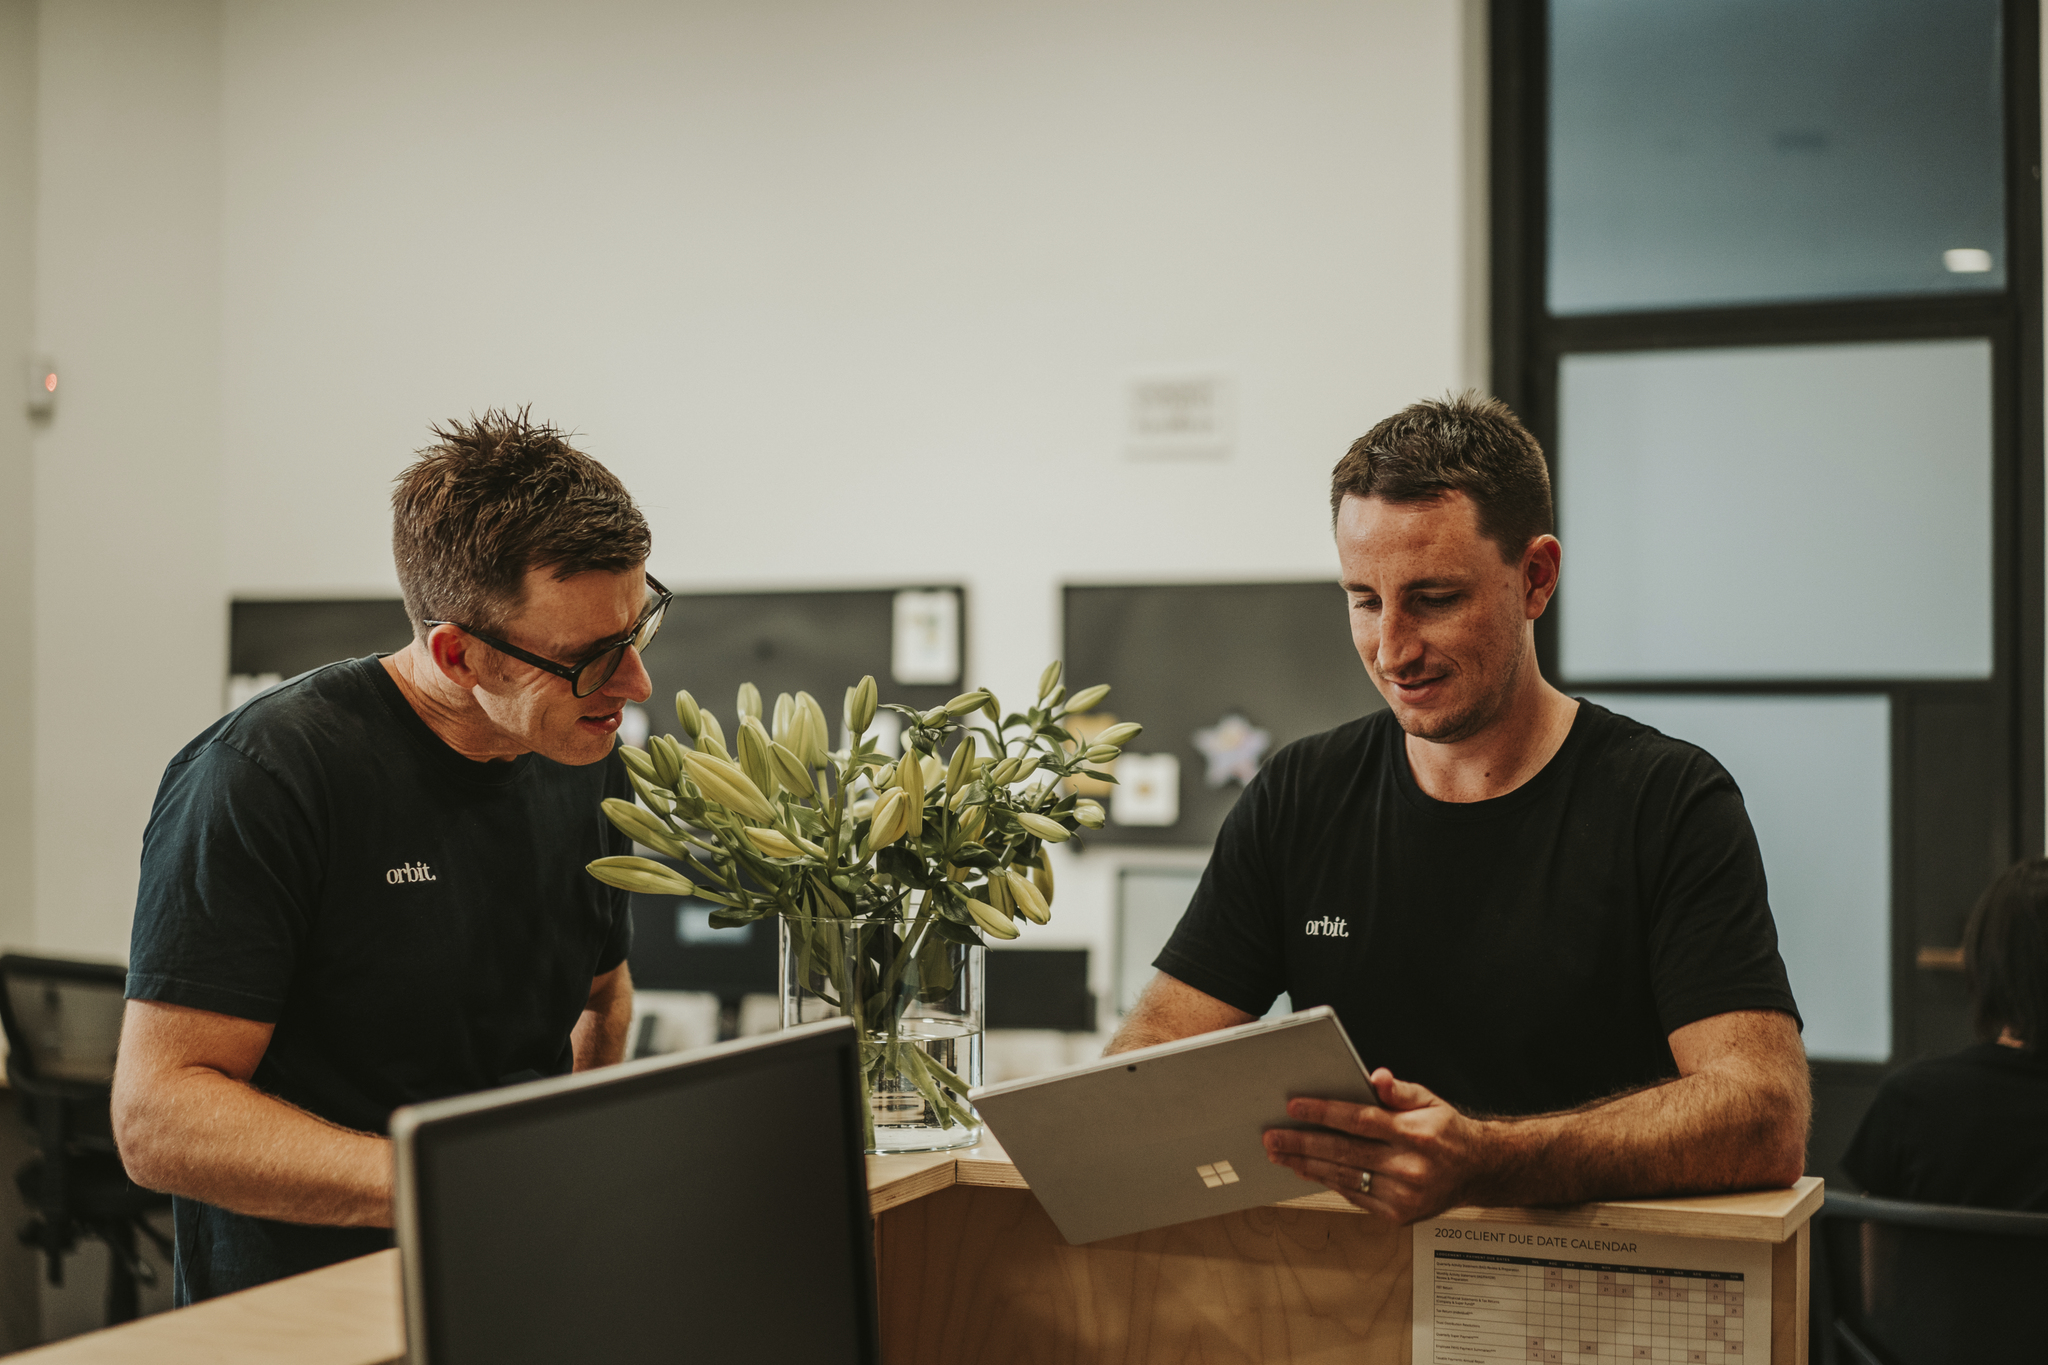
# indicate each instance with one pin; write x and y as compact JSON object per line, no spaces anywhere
{"x":597,"y":668}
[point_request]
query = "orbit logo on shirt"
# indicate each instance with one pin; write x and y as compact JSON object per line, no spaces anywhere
{"x":410,"y":872}
{"x":1326,"y":927}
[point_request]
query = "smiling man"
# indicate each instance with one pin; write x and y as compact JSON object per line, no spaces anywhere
{"x":1543,"y":924}
{"x":365,"y":887}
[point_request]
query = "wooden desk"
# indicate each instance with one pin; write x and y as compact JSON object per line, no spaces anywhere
{"x":971,"y":1269}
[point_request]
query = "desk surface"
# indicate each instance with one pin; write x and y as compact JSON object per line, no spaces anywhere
{"x":1755,"y":1216}
{"x":350,"y":1314}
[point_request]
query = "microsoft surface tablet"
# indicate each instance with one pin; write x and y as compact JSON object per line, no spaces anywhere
{"x":706,"y":1206}
{"x":1171,"y":1133}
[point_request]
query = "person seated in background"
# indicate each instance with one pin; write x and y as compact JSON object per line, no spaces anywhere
{"x":1972,"y":1128}
{"x":1519,"y":904}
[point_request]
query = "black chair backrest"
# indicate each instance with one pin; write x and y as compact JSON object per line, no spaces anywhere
{"x":1914,"y":1283}
{"x":63,"y":1021}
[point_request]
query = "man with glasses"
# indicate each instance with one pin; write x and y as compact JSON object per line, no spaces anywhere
{"x":365,"y":888}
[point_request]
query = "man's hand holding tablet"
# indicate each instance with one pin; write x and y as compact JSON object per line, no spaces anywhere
{"x":1709,"y":1129}
{"x":1406,"y":1159}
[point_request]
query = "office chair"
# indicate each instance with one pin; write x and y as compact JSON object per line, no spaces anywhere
{"x":1913,"y":1284}
{"x":63,"y":1020}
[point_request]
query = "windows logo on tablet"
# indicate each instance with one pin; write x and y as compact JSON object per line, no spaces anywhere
{"x":1217,"y":1176}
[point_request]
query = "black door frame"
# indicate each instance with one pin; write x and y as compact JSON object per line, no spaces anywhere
{"x":1527,"y":344}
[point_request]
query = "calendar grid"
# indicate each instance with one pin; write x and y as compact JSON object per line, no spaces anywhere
{"x":1557,"y":1312}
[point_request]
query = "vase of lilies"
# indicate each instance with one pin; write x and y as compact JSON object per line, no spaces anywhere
{"x":886,"y":873}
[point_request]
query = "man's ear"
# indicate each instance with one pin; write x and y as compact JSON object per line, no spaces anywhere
{"x":449,"y":648}
{"x":1541,"y":564}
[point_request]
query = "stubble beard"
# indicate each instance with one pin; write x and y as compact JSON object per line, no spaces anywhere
{"x":578,"y":750}
{"x":1474,"y":719}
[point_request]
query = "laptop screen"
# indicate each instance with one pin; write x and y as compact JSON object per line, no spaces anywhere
{"x":710,"y":1207}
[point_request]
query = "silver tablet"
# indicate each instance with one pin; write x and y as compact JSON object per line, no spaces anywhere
{"x":1171,"y":1133}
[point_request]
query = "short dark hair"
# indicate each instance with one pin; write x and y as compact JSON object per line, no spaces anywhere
{"x":494,"y":497}
{"x":1460,"y":443}
{"x":2005,"y":955}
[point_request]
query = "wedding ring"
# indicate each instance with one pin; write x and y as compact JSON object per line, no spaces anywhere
{"x":1365,"y":1182}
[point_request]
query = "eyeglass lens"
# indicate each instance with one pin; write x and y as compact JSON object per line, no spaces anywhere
{"x":596,"y":672}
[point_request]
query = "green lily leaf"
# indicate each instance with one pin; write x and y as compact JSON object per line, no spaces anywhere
{"x":954,"y":931}
{"x":972,"y":855}
{"x":907,"y":867}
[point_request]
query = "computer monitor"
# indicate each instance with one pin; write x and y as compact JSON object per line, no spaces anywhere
{"x":1039,"y":988}
{"x":676,"y":948}
{"x":709,"y":1206}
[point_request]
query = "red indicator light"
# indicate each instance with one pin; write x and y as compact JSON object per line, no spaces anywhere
{"x":50,"y":382}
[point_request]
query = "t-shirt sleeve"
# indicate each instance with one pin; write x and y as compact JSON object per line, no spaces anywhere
{"x":231,"y":869}
{"x":1713,"y":943}
{"x":619,"y":946}
{"x":1228,"y":943}
{"x":619,"y":942}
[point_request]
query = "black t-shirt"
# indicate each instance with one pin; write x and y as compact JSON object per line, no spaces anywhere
{"x":1970,"y":1129}
{"x":414,"y":923}
{"x":1520,"y":955}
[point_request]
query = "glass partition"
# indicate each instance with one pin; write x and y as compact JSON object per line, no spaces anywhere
{"x":1149,"y":904}
{"x":1815,"y":774}
{"x":1777,"y":512}
{"x":1752,"y":151}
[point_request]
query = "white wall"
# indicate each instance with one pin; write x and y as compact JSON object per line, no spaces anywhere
{"x":797,"y":271}
{"x":17,"y":513}
{"x":789,"y":266}
{"x":128,"y":635}
{"x":801,"y":270}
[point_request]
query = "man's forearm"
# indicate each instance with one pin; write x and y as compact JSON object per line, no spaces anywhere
{"x":1168,"y":1010}
{"x":599,"y":1038}
{"x":1735,"y":1119}
{"x":1704,"y":1133}
{"x":206,"y":1136}
{"x":1139,"y":1030}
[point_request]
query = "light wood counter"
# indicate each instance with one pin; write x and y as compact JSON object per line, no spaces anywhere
{"x":347,"y":1314}
{"x":970,"y":1269}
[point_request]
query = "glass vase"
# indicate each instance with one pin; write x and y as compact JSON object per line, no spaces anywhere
{"x":917,"y":999}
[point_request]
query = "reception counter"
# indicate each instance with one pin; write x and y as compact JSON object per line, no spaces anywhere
{"x":970,"y":1269}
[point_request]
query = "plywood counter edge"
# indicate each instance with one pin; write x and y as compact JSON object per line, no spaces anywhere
{"x":346,"y":1314}
{"x":350,"y":1314}
{"x":1749,"y":1216}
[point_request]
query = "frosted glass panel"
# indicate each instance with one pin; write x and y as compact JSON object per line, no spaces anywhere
{"x":1815,"y":773}
{"x":1738,"y":151}
{"x":1150,"y":902}
{"x":1777,"y":512}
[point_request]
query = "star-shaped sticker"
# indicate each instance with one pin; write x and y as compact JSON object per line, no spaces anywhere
{"x":1233,"y":747}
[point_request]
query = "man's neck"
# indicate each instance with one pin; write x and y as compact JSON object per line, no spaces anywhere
{"x":1505,"y":754}
{"x":451,"y":713}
